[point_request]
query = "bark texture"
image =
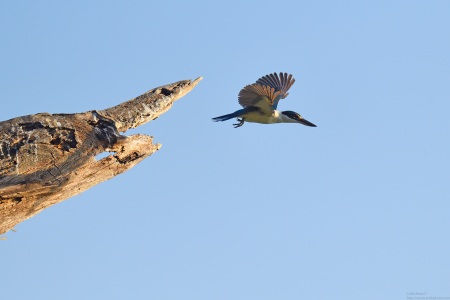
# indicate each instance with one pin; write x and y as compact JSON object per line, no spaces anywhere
{"x":47,"y":158}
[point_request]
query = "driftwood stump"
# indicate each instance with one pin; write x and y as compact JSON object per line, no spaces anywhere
{"x":47,"y":158}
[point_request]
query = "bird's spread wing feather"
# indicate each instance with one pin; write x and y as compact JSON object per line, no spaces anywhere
{"x":281,"y":84}
{"x":258,"y":95}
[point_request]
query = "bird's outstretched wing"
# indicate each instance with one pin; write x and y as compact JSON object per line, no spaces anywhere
{"x":281,"y":84}
{"x":262,"y":96}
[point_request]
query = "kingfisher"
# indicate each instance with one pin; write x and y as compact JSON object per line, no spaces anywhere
{"x":260,"y":101}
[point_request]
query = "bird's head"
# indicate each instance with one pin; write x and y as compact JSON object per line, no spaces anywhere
{"x":293,"y":117}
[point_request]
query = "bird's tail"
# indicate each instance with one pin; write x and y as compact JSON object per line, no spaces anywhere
{"x":229,"y":116}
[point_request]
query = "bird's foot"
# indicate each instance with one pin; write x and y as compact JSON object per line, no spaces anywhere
{"x":241,"y":122}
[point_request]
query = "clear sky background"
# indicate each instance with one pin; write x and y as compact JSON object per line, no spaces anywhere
{"x":357,"y":208}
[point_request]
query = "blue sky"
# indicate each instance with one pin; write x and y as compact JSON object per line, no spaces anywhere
{"x":357,"y":208}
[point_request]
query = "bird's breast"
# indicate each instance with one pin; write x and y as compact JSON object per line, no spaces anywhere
{"x":260,"y":117}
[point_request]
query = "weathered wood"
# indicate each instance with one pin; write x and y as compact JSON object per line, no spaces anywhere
{"x":47,"y":158}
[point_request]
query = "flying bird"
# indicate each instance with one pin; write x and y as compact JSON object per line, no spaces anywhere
{"x":260,"y":101}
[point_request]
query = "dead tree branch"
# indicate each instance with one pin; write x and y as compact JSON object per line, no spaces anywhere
{"x":47,"y":158}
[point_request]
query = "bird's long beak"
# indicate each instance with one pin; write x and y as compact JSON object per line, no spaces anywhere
{"x":306,"y":122}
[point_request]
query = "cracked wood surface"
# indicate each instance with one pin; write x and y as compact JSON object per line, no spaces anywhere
{"x":47,"y":158}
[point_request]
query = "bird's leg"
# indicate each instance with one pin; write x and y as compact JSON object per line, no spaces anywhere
{"x":241,"y":122}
